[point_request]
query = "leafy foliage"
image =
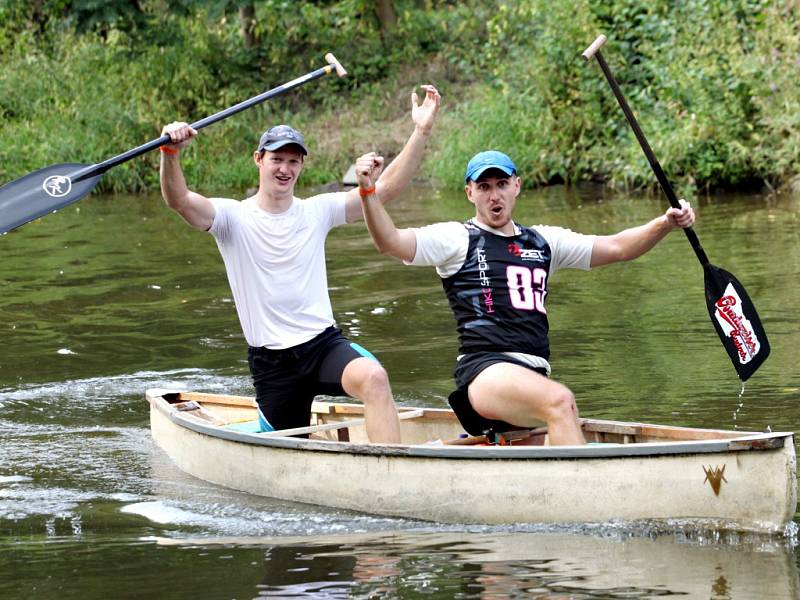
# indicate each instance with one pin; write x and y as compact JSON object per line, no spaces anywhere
{"x":712,"y":83}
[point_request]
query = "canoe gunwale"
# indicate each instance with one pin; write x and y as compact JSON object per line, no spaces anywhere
{"x":753,"y":442}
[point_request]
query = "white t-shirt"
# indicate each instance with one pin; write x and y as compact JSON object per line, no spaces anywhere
{"x":276,"y":266}
{"x":445,"y":245}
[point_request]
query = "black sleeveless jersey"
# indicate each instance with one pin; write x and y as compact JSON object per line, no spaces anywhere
{"x":497,"y":296}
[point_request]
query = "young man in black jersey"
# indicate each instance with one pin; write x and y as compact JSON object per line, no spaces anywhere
{"x":495,"y":274}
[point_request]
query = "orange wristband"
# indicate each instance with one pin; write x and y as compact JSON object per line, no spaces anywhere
{"x":366,"y":192}
{"x":168,"y":150}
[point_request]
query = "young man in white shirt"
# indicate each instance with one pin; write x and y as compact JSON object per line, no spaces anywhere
{"x":495,"y":274}
{"x":273,"y":247}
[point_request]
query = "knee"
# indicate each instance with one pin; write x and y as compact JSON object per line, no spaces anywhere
{"x":374,"y":381}
{"x":562,"y":405}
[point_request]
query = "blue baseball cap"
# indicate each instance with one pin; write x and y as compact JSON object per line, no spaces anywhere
{"x":280,"y":136}
{"x":490,"y":159}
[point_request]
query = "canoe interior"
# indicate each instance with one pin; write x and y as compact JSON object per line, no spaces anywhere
{"x":423,"y":426}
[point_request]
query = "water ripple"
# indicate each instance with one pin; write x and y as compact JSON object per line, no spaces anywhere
{"x":110,"y":388}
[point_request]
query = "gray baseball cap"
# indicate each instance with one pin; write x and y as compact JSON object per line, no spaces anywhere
{"x":280,"y":136}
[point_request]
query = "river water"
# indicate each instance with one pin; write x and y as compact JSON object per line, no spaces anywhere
{"x":114,"y":295}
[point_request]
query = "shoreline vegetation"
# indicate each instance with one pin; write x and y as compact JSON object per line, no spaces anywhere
{"x":714,"y":84}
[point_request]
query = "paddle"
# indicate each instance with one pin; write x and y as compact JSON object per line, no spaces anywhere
{"x":729,"y":305}
{"x":46,"y":190}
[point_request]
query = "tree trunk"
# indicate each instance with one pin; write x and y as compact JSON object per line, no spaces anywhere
{"x":38,"y":17}
{"x":387,"y":17}
{"x":247,"y":20}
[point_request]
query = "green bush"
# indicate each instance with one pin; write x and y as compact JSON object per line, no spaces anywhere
{"x":712,"y":83}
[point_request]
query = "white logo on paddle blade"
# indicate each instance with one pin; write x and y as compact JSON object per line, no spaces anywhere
{"x":733,"y":322}
{"x":57,"y":185}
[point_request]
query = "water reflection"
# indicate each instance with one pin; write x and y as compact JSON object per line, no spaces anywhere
{"x":516,"y":565}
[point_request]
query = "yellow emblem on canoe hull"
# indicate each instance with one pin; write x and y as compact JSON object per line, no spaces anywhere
{"x":715,"y":476}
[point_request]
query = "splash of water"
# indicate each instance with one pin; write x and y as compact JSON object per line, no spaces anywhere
{"x":739,"y":406}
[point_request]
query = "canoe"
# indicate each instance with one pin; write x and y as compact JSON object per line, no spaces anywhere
{"x":708,"y":478}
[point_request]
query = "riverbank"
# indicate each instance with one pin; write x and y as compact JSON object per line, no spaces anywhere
{"x":712,"y":82}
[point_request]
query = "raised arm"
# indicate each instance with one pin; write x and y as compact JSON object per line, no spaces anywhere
{"x":402,"y":169}
{"x":632,"y":243}
{"x":195,"y":209}
{"x":388,"y":239}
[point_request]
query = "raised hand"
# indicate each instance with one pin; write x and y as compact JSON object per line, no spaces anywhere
{"x":368,"y":169}
{"x":424,"y":114}
{"x":180,"y":133}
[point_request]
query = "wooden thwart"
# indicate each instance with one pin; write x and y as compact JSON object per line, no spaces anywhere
{"x":190,"y":402}
{"x":509,"y":438}
{"x":217,"y":399}
{"x":248,"y":401}
{"x":191,"y":406}
{"x":409,"y":414}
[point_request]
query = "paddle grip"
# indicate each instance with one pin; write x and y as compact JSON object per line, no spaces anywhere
{"x":594,"y":47}
{"x":340,"y":70}
{"x":648,"y":151}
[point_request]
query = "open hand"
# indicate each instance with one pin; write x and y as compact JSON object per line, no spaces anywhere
{"x":424,"y":114}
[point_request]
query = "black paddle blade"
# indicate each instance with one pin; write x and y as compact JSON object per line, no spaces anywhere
{"x":736,"y":321}
{"x":42,"y":192}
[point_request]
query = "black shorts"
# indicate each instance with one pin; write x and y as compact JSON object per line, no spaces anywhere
{"x":467,"y":369}
{"x":287,"y":380}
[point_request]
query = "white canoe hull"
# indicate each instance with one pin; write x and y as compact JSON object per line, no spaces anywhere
{"x":754,"y":476}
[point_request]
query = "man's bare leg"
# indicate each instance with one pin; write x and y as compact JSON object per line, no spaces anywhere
{"x":366,"y":380}
{"x":509,"y":392}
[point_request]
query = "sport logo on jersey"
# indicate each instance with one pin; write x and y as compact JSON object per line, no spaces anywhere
{"x":483,"y":276}
{"x":525,"y":253}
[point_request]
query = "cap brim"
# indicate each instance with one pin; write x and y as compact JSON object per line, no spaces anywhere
{"x":475,"y":175}
{"x":280,"y":144}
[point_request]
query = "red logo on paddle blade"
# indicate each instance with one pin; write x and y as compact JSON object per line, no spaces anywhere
{"x":736,"y":326}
